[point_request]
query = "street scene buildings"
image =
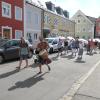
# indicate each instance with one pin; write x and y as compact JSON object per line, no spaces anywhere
{"x":61,"y":53}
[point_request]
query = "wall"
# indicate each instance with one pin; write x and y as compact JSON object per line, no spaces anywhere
{"x":32,"y":23}
{"x":58,"y":24}
{"x":83,"y":27}
{"x":11,"y":22}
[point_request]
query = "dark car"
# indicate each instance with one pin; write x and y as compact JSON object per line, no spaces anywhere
{"x":9,"y":49}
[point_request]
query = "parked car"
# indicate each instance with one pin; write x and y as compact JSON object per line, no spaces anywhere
{"x":9,"y":49}
{"x":53,"y":43}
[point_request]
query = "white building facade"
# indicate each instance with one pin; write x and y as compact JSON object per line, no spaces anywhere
{"x":32,"y":23}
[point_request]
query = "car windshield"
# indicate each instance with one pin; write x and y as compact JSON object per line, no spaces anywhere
{"x":49,"y":40}
{"x":2,"y":42}
{"x":27,"y":42}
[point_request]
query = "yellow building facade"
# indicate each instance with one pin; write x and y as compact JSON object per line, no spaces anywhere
{"x":57,"y":25}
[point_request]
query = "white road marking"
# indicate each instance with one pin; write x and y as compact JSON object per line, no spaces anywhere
{"x":70,"y":94}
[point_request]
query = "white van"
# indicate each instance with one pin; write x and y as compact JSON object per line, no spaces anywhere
{"x":53,"y":43}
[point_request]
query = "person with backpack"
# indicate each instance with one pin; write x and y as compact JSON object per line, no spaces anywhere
{"x":42,"y":47}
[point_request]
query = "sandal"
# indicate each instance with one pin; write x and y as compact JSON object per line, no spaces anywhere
{"x":26,"y":67}
{"x":18,"y":67}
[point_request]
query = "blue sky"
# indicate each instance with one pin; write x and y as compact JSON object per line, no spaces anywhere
{"x":88,"y":7}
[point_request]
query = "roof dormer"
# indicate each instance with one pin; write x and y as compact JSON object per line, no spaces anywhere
{"x":50,"y":6}
{"x":66,"y":13}
{"x":59,"y":10}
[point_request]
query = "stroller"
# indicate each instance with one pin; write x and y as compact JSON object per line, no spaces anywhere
{"x":38,"y":59}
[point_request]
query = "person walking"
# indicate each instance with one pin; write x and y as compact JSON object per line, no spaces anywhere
{"x":99,"y":47}
{"x":88,"y":47}
{"x":23,"y":52}
{"x":66,"y":46}
{"x":43,"y":55}
{"x":73,"y":47}
{"x":77,"y":43}
{"x":80,"y":52}
{"x":59,"y":47}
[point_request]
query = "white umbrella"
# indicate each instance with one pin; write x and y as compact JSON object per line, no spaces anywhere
{"x":97,"y":39}
{"x":83,"y":40}
{"x":70,"y":38}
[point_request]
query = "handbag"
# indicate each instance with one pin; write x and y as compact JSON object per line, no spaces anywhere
{"x":43,"y":54}
{"x":48,"y":61}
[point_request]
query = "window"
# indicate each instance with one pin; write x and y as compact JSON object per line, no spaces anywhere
{"x":29,"y":17}
{"x":12,"y":43}
{"x":84,"y":20}
{"x":83,"y":29}
{"x":35,"y":36}
{"x":47,"y":19}
{"x":18,"y":13}
{"x":15,"y":43}
{"x":18,"y":34}
{"x":78,"y":21}
{"x":54,"y":42}
{"x":36,"y":18}
{"x":79,"y":15}
{"x":6,"y":10}
{"x":83,"y":37}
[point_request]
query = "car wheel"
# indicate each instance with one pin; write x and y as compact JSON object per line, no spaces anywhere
{"x":30,"y":54}
{"x":51,"y":50}
{"x":1,"y":59}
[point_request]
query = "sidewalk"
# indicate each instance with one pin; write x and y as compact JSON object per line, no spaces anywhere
{"x":90,"y":90}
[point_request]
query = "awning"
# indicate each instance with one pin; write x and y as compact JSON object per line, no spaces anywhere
{"x":46,"y":30}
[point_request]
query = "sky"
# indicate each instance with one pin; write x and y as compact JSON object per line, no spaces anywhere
{"x":88,"y":7}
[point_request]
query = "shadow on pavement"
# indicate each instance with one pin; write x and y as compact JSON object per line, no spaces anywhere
{"x":9,"y":61}
{"x":79,"y":61}
{"x":54,"y":58}
{"x":28,"y":82}
{"x":90,"y":54}
{"x":9,"y":73}
{"x":34,"y":65}
{"x":68,"y":56}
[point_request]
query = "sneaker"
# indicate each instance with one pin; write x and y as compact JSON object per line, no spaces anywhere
{"x":18,"y":67}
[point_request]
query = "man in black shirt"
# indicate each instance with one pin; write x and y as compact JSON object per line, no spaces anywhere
{"x":66,"y":46}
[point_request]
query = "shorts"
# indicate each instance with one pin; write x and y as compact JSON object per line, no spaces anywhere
{"x":60,"y":49}
{"x":42,"y":61}
{"x":80,"y":52}
{"x":23,"y":57}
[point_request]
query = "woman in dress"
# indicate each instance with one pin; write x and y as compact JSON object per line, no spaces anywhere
{"x":23,"y":52}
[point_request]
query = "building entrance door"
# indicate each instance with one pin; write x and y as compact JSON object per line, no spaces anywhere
{"x":6,"y":33}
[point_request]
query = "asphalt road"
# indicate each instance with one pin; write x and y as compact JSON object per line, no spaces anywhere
{"x":26,"y":84}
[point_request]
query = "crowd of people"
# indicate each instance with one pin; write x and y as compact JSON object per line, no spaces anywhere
{"x":75,"y":46}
